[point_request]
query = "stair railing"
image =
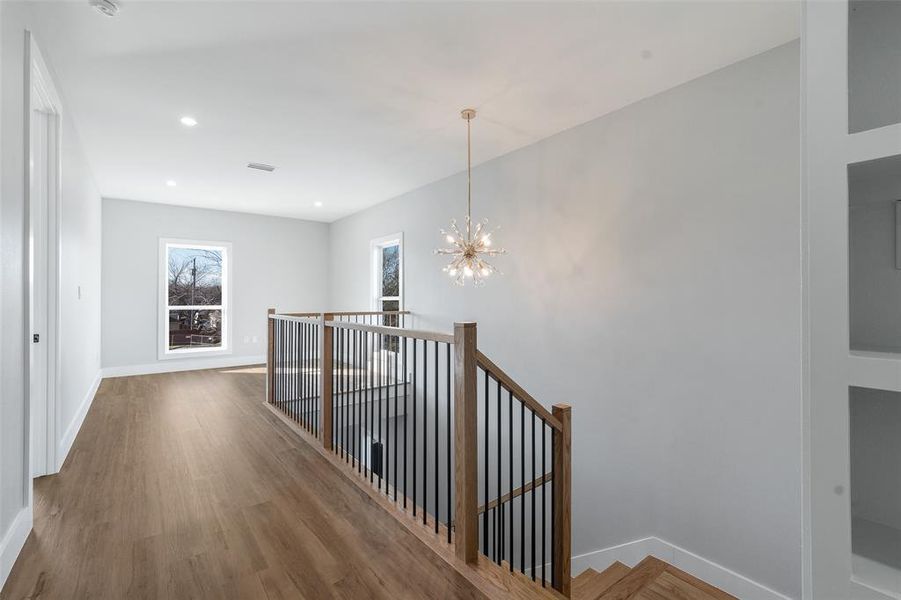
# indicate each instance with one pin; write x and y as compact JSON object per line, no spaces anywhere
{"x":437,"y":427}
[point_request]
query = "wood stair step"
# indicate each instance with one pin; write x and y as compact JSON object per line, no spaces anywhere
{"x":654,"y":579}
{"x":590,"y":584}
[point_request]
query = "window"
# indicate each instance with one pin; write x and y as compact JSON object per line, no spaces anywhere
{"x":387,"y":276}
{"x":193,"y":298}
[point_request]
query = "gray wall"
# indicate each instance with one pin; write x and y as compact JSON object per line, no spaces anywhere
{"x":80,"y":266}
{"x":653,"y":283}
{"x":275,"y":262}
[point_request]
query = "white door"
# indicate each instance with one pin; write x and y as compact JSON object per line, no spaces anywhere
{"x":41,"y":131}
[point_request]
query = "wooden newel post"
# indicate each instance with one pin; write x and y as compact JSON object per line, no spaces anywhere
{"x":466,"y":443}
{"x":563,"y":500}
{"x":326,"y":368}
{"x":270,"y":356}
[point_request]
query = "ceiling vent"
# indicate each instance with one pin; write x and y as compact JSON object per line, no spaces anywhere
{"x":261,"y":167}
{"x":109,"y":8}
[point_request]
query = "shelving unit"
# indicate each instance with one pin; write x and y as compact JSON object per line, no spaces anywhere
{"x":853,"y":352}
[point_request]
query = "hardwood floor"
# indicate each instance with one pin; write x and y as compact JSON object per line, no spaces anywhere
{"x":184,"y":485}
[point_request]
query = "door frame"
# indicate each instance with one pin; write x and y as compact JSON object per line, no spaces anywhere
{"x":42,"y":95}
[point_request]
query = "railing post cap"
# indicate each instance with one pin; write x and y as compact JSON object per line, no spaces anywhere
{"x":562,"y":408}
{"x":271,"y":311}
{"x":464,"y":324}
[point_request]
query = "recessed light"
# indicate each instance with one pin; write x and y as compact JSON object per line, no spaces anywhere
{"x":171,"y":183}
{"x":317,"y":204}
{"x":188,"y":121}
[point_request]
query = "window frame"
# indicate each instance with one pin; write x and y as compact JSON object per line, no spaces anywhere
{"x":375,"y":270}
{"x":163,"y":351}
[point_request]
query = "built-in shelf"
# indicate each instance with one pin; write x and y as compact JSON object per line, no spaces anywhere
{"x":875,"y":460}
{"x":876,"y":143}
{"x":874,"y":53}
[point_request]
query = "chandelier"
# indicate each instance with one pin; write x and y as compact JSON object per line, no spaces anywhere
{"x":470,"y":248}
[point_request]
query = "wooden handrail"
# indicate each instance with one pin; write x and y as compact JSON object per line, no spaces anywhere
{"x":299,"y":314}
{"x":295,"y":319}
{"x":370,"y":312}
{"x":519,"y":393}
{"x":525,"y":489}
{"x":432,"y":336}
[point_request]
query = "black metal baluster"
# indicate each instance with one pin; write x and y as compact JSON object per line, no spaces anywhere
{"x":378,"y":373}
{"x":522,"y":482}
{"x":371,"y":405}
{"x":498,"y":518}
{"x":510,"y":449}
{"x":302,"y":376}
{"x":339,"y":384}
{"x":543,"y":506}
{"x":447,"y":395}
{"x":425,"y":431}
{"x":317,"y":367}
{"x":334,"y":397}
{"x":437,"y":501}
{"x":485,"y":493}
{"x":415,"y":368}
{"x":553,"y":577}
{"x":533,"y":494}
{"x":406,"y":418}
{"x":395,"y":418}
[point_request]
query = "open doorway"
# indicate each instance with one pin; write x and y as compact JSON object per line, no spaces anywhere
{"x":43,"y":123}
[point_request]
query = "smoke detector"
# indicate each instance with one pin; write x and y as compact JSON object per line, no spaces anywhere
{"x":108,"y":8}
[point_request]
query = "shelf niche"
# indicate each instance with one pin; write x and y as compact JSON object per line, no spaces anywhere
{"x":874,"y":53}
{"x":874,"y":221}
{"x":876,"y":487}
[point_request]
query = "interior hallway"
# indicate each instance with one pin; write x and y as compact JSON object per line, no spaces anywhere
{"x":184,"y":485}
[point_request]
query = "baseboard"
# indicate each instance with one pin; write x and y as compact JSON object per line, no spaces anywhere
{"x":12,"y":542}
{"x":189,"y":364}
{"x":631,"y":553}
{"x":65,"y":443}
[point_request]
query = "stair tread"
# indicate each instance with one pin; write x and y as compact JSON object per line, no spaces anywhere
{"x":591,"y":584}
{"x":654,"y":579}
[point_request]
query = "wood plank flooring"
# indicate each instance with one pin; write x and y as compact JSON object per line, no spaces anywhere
{"x":184,"y":485}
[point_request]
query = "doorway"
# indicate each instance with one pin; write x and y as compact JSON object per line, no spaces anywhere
{"x":43,"y":138}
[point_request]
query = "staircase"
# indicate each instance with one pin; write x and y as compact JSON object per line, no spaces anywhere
{"x":443,"y":439}
{"x":651,"y":579}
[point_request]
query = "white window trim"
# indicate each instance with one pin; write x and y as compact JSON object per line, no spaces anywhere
{"x":375,"y":269}
{"x":163,"y":352}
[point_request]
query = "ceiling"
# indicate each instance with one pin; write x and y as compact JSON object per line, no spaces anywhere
{"x":356,"y":103}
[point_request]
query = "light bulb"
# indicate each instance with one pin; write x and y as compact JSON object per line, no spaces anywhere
{"x":467,"y":271}
{"x":450,"y":239}
{"x":486,"y":272}
{"x":452,"y":272}
{"x":486,"y":240}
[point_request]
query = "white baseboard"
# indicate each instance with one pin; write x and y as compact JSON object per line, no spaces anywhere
{"x":12,"y":542}
{"x":188,"y":364}
{"x":631,"y":553}
{"x":65,"y":443}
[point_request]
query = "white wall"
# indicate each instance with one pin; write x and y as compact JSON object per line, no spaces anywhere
{"x":654,"y":271}
{"x":276,"y":262}
{"x":80,"y":265}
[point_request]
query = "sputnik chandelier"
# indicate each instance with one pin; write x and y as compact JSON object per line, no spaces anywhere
{"x":469,"y":249}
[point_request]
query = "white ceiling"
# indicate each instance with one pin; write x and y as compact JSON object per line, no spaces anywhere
{"x":358,"y":102}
